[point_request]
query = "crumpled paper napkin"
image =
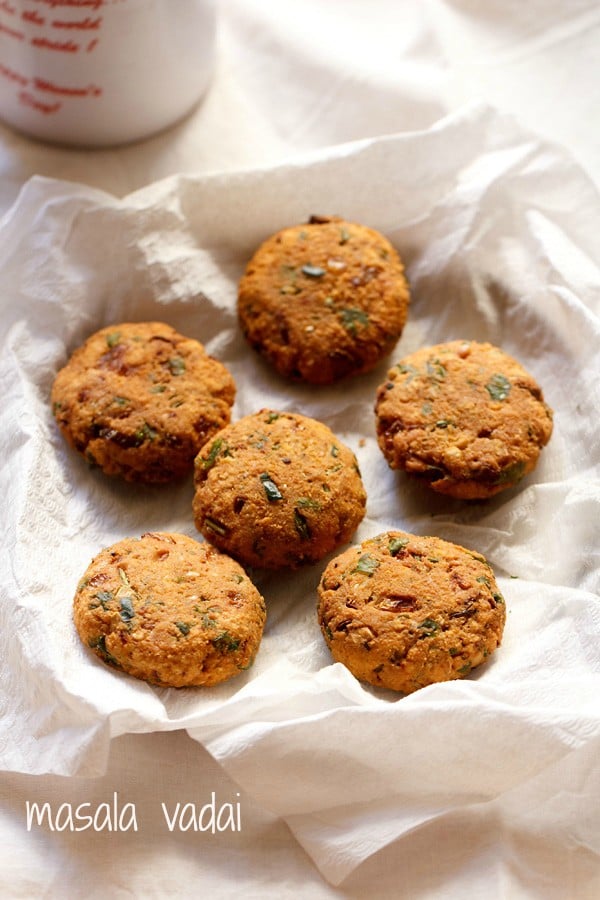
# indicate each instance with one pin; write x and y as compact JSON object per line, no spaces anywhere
{"x":500,"y":234}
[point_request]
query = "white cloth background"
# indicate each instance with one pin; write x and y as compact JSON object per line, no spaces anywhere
{"x":488,"y":787}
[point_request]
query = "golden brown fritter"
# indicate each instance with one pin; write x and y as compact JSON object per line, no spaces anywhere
{"x":169,"y":610}
{"x":139,"y":400}
{"x":463,"y":416}
{"x":276,"y":490}
{"x":324,"y":300}
{"x":402,"y":611}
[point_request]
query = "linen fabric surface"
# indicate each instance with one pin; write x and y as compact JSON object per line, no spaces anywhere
{"x":484,"y":787}
{"x":490,"y":247}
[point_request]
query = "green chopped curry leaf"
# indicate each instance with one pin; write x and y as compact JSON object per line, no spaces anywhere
{"x":104,"y":597}
{"x":308,"y":503}
{"x":176,"y":365}
{"x":396,"y":545}
{"x":225,"y":642}
{"x":408,"y":370}
{"x":99,"y":645}
{"x":113,"y":339}
{"x":126,"y":612}
{"x":510,"y":474}
{"x":351,"y":317}
{"x":271,"y":490}
{"x":301,"y":526}
{"x":146,"y":433}
{"x":208,"y":462}
{"x":498,"y":387}
{"x":366,"y":564}
{"x":436,"y":370}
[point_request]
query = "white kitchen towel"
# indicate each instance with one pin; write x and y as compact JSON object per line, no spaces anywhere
{"x":500,"y":235}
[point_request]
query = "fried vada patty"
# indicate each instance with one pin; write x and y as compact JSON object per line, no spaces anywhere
{"x":276,"y":490}
{"x":402,"y":611}
{"x":465,"y":417}
{"x":324,"y":300}
{"x":169,"y":610}
{"x":139,"y":400}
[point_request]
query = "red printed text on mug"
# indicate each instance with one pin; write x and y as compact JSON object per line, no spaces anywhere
{"x":68,"y":27}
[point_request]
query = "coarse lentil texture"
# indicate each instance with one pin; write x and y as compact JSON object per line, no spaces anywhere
{"x":277,"y":490}
{"x":324,"y":300}
{"x":139,"y":400}
{"x":402,"y":611}
{"x":464,"y":417}
{"x":169,"y":610}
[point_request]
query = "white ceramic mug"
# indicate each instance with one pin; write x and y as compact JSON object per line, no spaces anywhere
{"x":102,"y":72}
